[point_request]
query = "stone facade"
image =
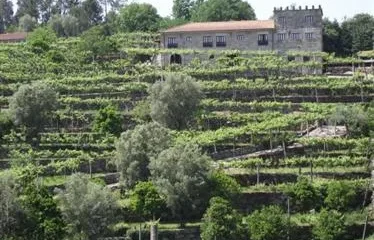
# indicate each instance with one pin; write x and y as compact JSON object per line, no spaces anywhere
{"x":298,"y":29}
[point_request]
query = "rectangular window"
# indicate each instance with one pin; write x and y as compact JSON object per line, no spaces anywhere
{"x":207,"y":41}
{"x":188,"y":39}
{"x":309,"y":36}
{"x":309,"y":19}
{"x":295,"y":36}
{"x":220,"y":41}
{"x":263,"y":39}
{"x":306,"y":58}
{"x":240,"y":37}
{"x":282,"y":20}
{"x":172,"y":42}
{"x":281,"y":37}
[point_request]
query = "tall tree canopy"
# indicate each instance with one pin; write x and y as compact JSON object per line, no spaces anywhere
{"x":360,"y":27}
{"x":6,"y":15}
{"x":332,"y":34}
{"x":223,"y":10}
{"x":138,"y":17}
{"x":182,"y":9}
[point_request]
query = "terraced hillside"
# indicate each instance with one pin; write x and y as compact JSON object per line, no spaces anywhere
{"x":256,"y":122}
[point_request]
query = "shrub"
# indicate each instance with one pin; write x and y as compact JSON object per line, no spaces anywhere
{"x":303,"y":195}
{"x":340,"y":195}
{"x":329,"y":226}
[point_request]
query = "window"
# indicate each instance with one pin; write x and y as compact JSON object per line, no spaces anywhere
{"x":309,"y":19}
{"x":309,"y":36}
{"x":240,"y":37}
{"x":207,"y":41}
{"x":306,"y":58}
{"x":172,"y":42}
{"x":295,"y":36}
{"x":262,"y":39}
{"x":282,"y":20}
{"x":281,"y":37}
{"x":188,"y":39}
{"x":291,"y":58}
{"x":220,"y":41}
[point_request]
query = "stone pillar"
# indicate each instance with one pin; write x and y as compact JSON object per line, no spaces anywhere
{"x":154,"y":232}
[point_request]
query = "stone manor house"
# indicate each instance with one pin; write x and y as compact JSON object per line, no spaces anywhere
{"x":298,"y":29}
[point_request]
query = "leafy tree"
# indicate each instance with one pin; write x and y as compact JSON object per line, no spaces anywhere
{"x":65,"y":25}
{"x":96,"y":42}
{"x":182,"y":9}
{"x":136,"y":147}
{"x":29,"y":8}
{"x":340,"y":195}
{"x":181,"y":174}
{"x":223,"y":186}
{"x":269,"y":223}
{"x":168,"y":22}
{"x":41,"y":39}
{"x":332,"y":34}
{"x":108,"y":120}
{"x":303,"y":195}
{"x":174,"y":101}
{"x":29,"y":100}
{"x":88,"y":13}
{"x":141,"y":112}
{"x":87,"y":208}
{"x":329,"y":225}
{"x":138,"y":17}
{"x":146,"y":201}
{"x":43,"y":218}
{"x":10,"y":207}
{"x":6,"y":15}
{"x":6,"y":124}
{"x":27,"y":23}
{"x":221,"y":221}
{"x":223,"y":10}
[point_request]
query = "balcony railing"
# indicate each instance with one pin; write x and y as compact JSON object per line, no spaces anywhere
{"x":220,"y":44}
{"x":207,"y":44}
{"x":172,"y":45}
{"x":263,"y":42}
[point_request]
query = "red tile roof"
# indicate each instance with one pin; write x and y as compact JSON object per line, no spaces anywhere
{"x":17,"y":36}
{"x":223,"y":26}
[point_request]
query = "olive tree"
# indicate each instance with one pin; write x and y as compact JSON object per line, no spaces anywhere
{"x":181,"y":174}
{"x":136,"y":147}
{"x":87,"y":208}
{"x":174,"y":101}
{"x":32,"y":106}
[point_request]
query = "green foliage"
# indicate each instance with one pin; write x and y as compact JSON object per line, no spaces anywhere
{"x":332,"y":34}
{"x":31,"y":99}
{"x":136,"y":147}
{"x":174,"y":101}
{"x":223,"y":186}
{"x":88,"y":209}
{"x":41,"y":39}
{"x":108,"y":120}
{"x":142,"y":111}
{"x":329,"y":225}
{"x":360,"y":32}
{"x":27,"y":23}
{"x":146,"y":201}
{"x":223,"y":10}
{"x":180,"y":174}
{"x":269,"y":223}
{"x":221,"y":221}
{"x":6,"y":124}
{"x":340,"y":195}
{"x":182,"y":9}
{"x":304,"y":196}
{"x":43,"y":218}
{"x":138,"y":17}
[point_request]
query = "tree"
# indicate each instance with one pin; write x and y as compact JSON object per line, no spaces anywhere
{"x":6,"y":15}
{"x":27,"y":23}
{"x":108,"y":120}
{"x":10,"y":207}
{"x":28,"y":7}
{"x":303,"y":195}
{"x":146,"y":201}
{"x":340,"y":195}
{"x":87,"y":208}
{"x":31,"y":99}
{"x":88,"y":13}
{"x":180,"y":174}
{"x":174,"y":101}
{"x":332,"y":34}
{"x":269,"y":223}
{"x":223,"y":10}
{"x":329,"y":225}
{"x":136,"y":147}
{"x":223,"y":186}
{"x":221,"y":221}
{"x":138,"y":17}
{"x":41,"y":39}
{"x":182,"y":9}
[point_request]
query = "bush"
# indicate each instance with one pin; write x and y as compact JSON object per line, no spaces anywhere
{"x":329,"y":226}
{"x":108,"y":120}
{"x":304,"y":196}
{"x":40,"y":40}
{"x":223,"y":186}
{"x":340,"y":195}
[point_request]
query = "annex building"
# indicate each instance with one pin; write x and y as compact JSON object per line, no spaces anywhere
{"x":298,"y":29}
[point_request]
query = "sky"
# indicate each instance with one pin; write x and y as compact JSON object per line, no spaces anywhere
{"x":333,"y":9}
